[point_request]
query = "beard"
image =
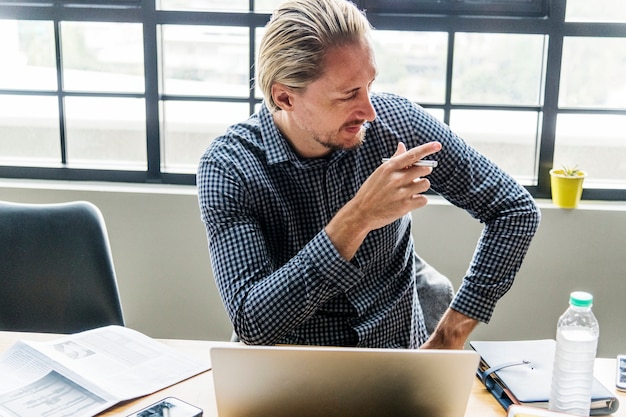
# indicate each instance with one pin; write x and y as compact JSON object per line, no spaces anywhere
{"x":331,"y":144}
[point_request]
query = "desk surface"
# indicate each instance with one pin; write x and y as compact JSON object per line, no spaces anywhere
{"x":199,"y":389}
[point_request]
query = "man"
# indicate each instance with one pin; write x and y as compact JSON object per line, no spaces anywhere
{"x":310,"y":234}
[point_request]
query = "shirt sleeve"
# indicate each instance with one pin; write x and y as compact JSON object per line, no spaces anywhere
{"x":474,"y":183}
{"x":511,"y":219}
{"x":264,"y":301}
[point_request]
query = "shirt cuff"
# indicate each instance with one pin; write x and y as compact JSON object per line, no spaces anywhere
{"x":473,"y":304}
{"x":330,"y":264}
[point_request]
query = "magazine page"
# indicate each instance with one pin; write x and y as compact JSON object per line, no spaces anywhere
{"x":121,"y":361}
{"x":33,"y":385}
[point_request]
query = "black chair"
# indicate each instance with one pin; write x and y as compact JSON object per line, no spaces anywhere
{"x":56,"y":269}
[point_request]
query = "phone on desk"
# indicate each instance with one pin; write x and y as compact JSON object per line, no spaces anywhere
{"x":620,"y":374}
{"x":169,"y":407}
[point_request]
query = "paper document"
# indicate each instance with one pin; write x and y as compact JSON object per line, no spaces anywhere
{"x":86,"y":373}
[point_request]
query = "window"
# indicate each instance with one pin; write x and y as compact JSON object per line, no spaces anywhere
{"x":466,"y":7}
{"x":412,"y":64}
{"x":591,"y":126}
{"x":134,"y":90}
{"x":200,"y":64}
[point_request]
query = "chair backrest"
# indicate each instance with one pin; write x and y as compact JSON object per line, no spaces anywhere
{"x":56,"y":268}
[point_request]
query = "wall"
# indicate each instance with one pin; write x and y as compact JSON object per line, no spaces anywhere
{"x":167,"y":289}
{"x":582,"y":249}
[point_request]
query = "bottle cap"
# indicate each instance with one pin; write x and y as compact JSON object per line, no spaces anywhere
{"x":581,"y":299}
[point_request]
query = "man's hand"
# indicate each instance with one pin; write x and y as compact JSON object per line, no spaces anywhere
{"x":452,"y":331}
{"x":392,"y":191}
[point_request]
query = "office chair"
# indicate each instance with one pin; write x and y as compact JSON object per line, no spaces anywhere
{"x":56,"y":269}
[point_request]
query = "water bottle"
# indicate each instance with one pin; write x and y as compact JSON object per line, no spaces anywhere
{"x":576,"y":343}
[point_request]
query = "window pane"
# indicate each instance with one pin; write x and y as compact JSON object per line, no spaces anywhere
{"x":101,"y":56}
{"x":497,"y":68}
{"x":206,"y":60}
{"x":596,"y":143}
{"x":29,"y":130}
{"x":595,"y":11}
{"x":189,"y":127}
{"x":106,"y":133}
{"x":506,"y":137}
{"x":203,"y":5}
{"x":267,"y":6}
{"x":438,"y":113}
{"x":28,"y":58}
{"x":258,"y":36}
{"x":593,"y":73}
{"x":412,"y":64}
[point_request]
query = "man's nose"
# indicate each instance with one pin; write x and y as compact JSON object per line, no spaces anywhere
{"x":366,"y":110}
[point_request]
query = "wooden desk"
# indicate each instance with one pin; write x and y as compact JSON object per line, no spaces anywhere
{"x":199,"y":389}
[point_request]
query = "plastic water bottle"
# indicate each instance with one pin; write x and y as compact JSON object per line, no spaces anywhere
{"x":576,"y":343}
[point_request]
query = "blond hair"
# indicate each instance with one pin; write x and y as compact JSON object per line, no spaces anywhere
{"x":297,"y":37}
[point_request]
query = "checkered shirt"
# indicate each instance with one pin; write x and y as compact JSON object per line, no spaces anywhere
{"x":282,"y":280}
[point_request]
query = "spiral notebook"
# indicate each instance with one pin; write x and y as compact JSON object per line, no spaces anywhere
{"x":520,"y":372}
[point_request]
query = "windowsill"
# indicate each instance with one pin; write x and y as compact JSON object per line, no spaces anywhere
{"x":546,"y":204}
{"x":113,"y":187}
{"x":586,"y":205}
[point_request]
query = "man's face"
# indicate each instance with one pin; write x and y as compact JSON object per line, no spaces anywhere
{"x":329,"y":114}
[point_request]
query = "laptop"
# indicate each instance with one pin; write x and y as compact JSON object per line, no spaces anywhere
{"x":296,"y":381}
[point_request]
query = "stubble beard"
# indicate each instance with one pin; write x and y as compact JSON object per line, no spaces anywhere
{"x":331,"y":145}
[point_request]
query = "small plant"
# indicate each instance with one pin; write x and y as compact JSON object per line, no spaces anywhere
{"x":566,"y":185}
{"x":570,"y":172}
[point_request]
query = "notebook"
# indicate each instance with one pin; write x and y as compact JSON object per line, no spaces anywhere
{"x":291,"y":381}
{"x":520,"y":372}
{"x":527,"y":411}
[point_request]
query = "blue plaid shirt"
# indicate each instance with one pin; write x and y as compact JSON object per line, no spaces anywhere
{"x":279,"y":276}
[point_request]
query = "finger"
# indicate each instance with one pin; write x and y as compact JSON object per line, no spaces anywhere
{"x":420,"y":185}
{"x":400,"y":149}
{"x":418,"y":201}
{"x":413,"y":155}
{"x":414,"y":190}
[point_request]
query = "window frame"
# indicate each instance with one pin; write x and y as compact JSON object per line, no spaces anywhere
{"x":553,"y":25}
{"x":502,"y":8}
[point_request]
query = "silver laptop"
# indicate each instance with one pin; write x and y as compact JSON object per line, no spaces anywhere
{"x":288,"y":381}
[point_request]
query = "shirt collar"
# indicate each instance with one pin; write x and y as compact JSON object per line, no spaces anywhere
{"x":277,"y":148}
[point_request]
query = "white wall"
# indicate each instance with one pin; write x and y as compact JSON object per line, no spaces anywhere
{"x":163,"y":267}
{"x":581,"y":249}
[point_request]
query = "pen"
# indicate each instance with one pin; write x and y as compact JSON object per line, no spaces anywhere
{"x":422,"y":163}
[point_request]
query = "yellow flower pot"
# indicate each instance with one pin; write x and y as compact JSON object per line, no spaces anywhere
{"x":566,"y":190}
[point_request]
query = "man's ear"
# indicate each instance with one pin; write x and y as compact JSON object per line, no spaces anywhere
{"x":282,"y":96}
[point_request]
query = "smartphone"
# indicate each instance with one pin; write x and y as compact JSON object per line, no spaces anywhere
{"x":169,"y":407}
{"x":620,"y":379}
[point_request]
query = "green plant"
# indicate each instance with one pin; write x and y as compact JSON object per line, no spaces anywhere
{"x":570,"y":172}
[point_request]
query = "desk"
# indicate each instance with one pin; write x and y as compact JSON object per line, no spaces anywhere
{"x":199,"y":389}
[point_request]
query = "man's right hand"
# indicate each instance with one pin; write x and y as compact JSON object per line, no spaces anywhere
{"x":392,"y":191}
